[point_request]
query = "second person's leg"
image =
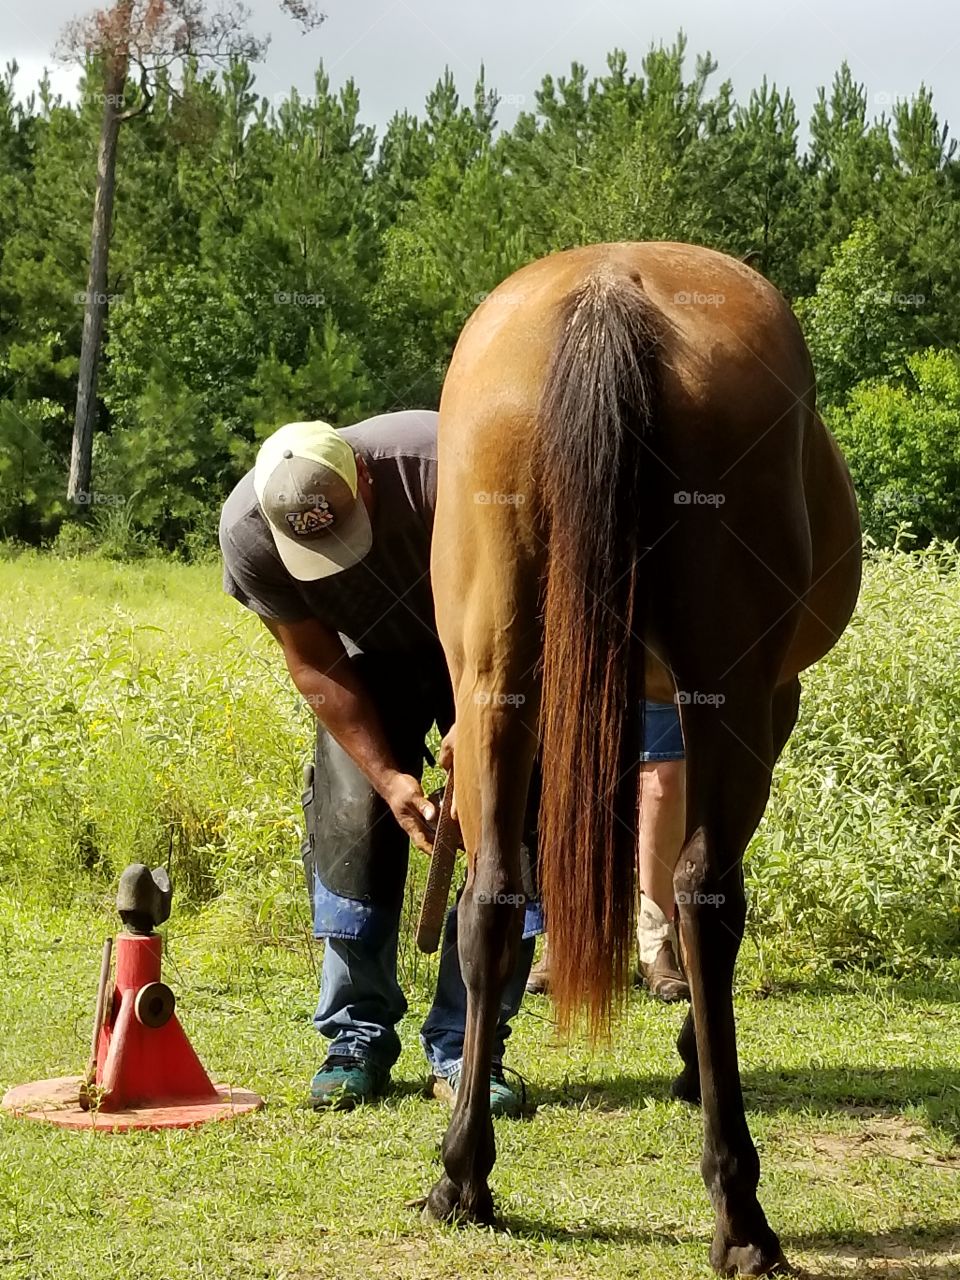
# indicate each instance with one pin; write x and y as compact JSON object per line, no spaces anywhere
{"x":661,"y":836}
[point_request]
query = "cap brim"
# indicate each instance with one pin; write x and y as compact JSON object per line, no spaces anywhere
{"x":338,"y":549}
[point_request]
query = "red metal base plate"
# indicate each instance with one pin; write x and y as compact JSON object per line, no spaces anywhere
{"x":57,"y":1102}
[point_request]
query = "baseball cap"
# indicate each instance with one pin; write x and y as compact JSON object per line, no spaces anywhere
{"x":305,"y":479}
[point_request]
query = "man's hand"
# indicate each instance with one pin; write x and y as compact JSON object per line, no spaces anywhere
{"x":414,"y":812}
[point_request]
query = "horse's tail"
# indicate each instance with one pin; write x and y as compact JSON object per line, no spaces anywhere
{"x":598,"y":412}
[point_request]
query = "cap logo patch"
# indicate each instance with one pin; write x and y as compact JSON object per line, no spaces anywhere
{"x":306,"y":524}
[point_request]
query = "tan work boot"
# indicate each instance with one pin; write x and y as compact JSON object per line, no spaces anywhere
{"x":658,"y":949}
{"x":538,"y":980}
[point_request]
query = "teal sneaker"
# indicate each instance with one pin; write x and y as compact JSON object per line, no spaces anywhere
{"x":504,"y":1101}
{"x":342,"y":1083}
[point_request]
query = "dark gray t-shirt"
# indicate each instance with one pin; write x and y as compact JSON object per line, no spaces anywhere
{"x":384,"y":603}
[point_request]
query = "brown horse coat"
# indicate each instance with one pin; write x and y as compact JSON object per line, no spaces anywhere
{"x":636,"y":497}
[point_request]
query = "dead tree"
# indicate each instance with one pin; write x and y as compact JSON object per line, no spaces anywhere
{"x":142,"y":39}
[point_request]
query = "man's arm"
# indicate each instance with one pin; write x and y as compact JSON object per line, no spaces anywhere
{"x":323,"y":673}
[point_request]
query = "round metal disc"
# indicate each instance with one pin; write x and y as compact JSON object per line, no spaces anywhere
{"x":154,"y":1004}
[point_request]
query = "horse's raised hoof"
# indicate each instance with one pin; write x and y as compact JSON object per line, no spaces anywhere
{"x":686,"y":1088}
{"x":449,"y":1203}
{"x":765,"y":1259}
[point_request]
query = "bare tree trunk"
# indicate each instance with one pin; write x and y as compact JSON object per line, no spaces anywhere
{"x":95,"y":303}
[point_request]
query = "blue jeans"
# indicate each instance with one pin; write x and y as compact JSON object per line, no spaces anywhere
{"x":361,"y":1002}
{"x":355,"y":861}
{"x":662,"y":735}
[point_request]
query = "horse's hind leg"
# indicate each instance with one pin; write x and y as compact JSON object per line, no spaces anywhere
{"x":495,"y":750}
{"x":686,"y":1087}
{"x":730,"y":754}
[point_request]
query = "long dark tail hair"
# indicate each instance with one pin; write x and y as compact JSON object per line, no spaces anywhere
{"x":598,"y":415}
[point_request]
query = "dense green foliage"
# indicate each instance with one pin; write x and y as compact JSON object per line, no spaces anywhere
{"x":275,"y":261}
{"x":148,"y":717}
{"x":902,"y":442}
{"x":856,"y":857}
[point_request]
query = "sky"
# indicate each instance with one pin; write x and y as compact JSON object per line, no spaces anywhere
{"x":396,"y":49}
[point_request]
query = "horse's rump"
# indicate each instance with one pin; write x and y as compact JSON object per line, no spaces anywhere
{"x":593,"y":385}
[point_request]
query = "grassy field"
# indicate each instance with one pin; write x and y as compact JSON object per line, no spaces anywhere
{"x":853,"y":1094}
{"x":145,"y":716}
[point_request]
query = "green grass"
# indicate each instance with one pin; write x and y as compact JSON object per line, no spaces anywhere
{"x":144,"y":715}
{"x":853,"y":1094}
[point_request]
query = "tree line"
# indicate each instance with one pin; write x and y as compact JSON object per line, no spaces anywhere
{"x":274,"y":260}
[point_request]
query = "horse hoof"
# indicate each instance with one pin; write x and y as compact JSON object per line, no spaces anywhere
{"x":686,"y":1088}
{"x":460,"y":1205}
{"x":750,"y":1259}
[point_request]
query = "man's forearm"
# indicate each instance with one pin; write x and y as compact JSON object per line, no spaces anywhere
{"x":345,"y":709}
{"x":323,"y":673}
{"x":321,"y":670}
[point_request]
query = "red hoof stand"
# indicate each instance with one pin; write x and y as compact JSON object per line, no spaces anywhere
{"x":148,"y":1075}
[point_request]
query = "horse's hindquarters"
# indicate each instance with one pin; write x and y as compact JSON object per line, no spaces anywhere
{"x":836,"y":542}
{"x":697,"y":472}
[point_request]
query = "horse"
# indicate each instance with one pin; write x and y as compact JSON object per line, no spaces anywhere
{"x":636,"y":498}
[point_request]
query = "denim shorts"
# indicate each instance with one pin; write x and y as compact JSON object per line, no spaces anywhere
{"x":662,"y":738}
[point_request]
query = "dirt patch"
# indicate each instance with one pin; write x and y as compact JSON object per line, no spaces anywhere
{"x":885,"y":1258}
{"x":890,"y":1136}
